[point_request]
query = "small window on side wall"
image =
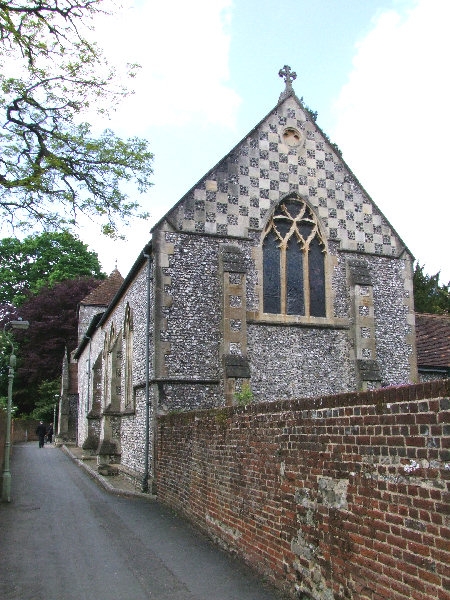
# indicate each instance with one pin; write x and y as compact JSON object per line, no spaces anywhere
{"x":294,"y":262}
{"x":128,"y":339}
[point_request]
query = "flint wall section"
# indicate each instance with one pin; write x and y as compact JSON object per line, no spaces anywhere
{"x":189,"y":331}
{"x":129,"y":431}
{"x":344,"y":496}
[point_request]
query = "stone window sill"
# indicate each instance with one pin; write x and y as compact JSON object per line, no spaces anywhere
{"x":258,"y":318}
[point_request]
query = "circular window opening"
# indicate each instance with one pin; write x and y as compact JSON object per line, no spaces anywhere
{"x":292,"y":137}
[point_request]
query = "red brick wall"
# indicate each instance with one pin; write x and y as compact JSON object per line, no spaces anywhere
{"x":21,"y":431}
{"x":343,"y":497}
{"x":24,"y":430}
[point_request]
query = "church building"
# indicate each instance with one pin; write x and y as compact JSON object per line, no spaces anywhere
{"x":276,"y":276}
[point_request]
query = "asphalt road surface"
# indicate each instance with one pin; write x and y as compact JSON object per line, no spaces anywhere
{"x":63,"y":537}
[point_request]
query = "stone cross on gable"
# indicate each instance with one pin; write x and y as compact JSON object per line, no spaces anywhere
{"x":288,"y":75}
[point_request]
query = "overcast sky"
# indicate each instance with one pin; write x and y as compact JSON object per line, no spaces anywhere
{"x":376,"y":71}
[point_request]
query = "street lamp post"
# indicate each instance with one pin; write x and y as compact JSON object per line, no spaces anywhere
{"x":6,"y":489}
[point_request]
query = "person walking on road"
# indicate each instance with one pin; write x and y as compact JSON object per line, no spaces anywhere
{"x":40,"y":432}
{"x":50,"y":433}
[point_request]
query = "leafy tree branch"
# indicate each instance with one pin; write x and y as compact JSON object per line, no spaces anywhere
{"x":42,"y":260}
{"x":52,"y":167}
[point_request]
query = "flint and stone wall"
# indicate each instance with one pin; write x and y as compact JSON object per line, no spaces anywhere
{"x":231,"y":207}
{"x":128,"y":429}
{"x":343,"y":496}
{"x":285,"y":358}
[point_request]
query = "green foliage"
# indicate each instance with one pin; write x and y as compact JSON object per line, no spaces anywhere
{"x":221,"y":417}
{"x":429,"y":295}
{"x":245,"y":396}
{"x":46,"y":400}
{"x":4,"y":405}
{"x":314,"y":114}
{"x":26,"y":266}
{"x":52,"y":168}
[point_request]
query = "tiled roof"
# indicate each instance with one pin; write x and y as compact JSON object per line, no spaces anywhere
{"x":433,"y":340}
{"x":105,"y":292}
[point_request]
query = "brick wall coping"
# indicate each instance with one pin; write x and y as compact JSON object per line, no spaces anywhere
{"x":380,"y":398}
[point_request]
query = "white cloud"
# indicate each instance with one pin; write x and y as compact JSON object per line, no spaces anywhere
{"x":183,"y":49}
{"x":181,"y":87}
{"x":393,"y":125}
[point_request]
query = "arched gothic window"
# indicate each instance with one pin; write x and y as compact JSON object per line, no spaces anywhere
{"x":112,"y":352}
{"x":106,"y":373}
{"x":294,"y":261}
{"x":128,"y":339}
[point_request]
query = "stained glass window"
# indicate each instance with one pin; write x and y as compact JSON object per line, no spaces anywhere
{"x":128,"y":339}
{"x":294,"y":262}
{"x":271,"y":274}
{"x":295,"y":297}
{"x":316,"y":279}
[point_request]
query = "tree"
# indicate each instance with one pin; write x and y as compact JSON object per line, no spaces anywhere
{"x":52,"y":168}
{"x":429,"y":295}
{"x":42,"y":260}
{"x":52,"y":314}
{"x":46,"y":398}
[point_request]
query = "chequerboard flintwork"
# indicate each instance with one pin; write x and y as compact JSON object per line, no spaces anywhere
{"x":285,"y":193}
{"x":286,"y":153}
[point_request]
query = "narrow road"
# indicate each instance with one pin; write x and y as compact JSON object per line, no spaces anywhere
{"x":63,"y":537}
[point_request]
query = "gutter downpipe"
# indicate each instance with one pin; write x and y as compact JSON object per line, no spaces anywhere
{"x":86,"y":405}
{"x":147,"y":378}
{"x":89,"y":375}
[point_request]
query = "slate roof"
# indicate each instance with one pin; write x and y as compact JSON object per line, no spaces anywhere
{"x":433,"y":340}
{"x":105,"y":292}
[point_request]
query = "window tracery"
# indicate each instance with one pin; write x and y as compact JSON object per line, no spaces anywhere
{"x":128,"y":339}
{"x":294,"y":261}
{"x":112,"y":353}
